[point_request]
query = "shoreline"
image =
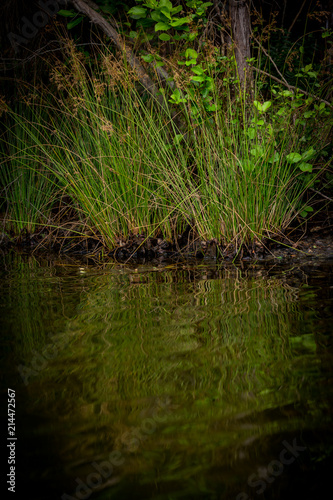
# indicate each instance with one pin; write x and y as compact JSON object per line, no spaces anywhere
{"x":315,"y":243}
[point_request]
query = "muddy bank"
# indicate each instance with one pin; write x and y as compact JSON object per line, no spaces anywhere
{"x":313,"y":240}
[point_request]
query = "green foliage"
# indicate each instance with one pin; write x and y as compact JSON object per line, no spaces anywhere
{"x":71,"y":13}
{"x":234,"y":349}
{"x":232,"y":171}
{"x":234,"y":165}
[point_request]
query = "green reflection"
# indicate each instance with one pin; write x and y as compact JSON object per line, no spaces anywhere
{"x":192,"y":374}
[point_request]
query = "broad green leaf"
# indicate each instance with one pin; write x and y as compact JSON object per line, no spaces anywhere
{"x":166,"y":12}
{"x":191,"y":61}
{"x":258,"y":122}
{"x":74,"y":23}
{"x":191,"y":54}
{"x":162,"y":27}
{"x":67,"y":13}
{"x":266,"y":105}
{"x":294,"y":157}
{"x":152,"y":4}
{"x":198,"y":78}
{"x":166,"y":4}
{"x":157,"y":16}
{"x":164,"y":37}
{"x":133,"y":34}
{"x":306,"y":211}
{"x":176,"y":97}
{"x":198,"y":70}
{"x":190,"y":93}
{"x":137,"y":12}
{"x":262,"y":107}
{"x":180,"y":22}
{"x":176,"y":10}
{"x":148,"y":58}
{"x":305,"y":167}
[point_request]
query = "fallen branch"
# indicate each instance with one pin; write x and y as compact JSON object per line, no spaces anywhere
{"x":272,"y":61}
{"x":98,"y":19}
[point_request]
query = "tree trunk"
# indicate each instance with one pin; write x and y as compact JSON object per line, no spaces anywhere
{"x":241,"y":32}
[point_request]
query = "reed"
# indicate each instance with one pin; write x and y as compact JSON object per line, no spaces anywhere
{"x":28,"y":188}
{"x":235,"y":171}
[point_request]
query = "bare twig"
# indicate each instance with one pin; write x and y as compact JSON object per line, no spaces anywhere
{"x":321,"y":194}
{"x":275,"y":66}
{"x":292,"y":87}
{"x":297,"y":15}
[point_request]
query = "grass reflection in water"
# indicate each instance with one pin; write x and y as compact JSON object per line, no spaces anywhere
{"x":195,"y":376}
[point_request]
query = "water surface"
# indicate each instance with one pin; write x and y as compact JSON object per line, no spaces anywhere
{"x":162,"y":382}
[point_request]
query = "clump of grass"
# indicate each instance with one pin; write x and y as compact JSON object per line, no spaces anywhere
{"x":111,"y":153}
{"x":248,"y":187}
{"x":28,"y":189}
{"x":235,"y":171}
{"x":249,"y":171}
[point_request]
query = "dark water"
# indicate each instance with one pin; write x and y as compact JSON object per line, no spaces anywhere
{"x":168,"y":382}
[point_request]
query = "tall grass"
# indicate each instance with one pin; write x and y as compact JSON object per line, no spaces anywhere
{"x":132,"y":168}
{"x":27,"y":188}
{"x":247,"y":188}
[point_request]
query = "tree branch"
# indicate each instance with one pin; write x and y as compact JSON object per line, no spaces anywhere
{"x":275,"y":66}
{"x":98,"y":19}
{"x":291,"y":87}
